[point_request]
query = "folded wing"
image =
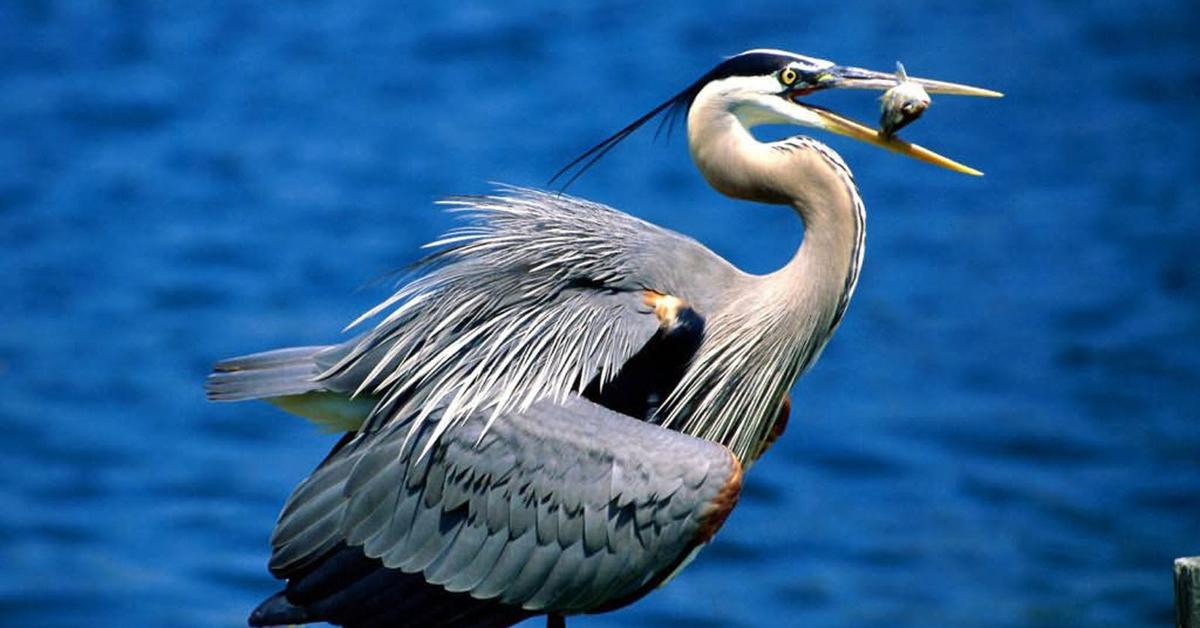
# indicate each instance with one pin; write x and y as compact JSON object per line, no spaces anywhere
{"x":560,"y":508}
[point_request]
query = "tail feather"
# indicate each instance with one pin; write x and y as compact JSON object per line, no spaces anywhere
{"x":266,"y":359}
{"x":265,"y":375}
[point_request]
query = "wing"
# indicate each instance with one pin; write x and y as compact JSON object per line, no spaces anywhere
{"x":540,"y":296}
{"x":561,"y":508}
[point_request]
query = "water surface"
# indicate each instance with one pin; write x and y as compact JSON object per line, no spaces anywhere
{"x":1003,"y":433}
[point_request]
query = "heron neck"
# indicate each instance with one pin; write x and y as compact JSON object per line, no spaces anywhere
{"x":784,"y":318}
{"x":827,"y":263}
{"x":800,"y":172}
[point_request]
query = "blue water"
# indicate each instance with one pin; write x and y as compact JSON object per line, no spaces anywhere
{"x":1005,"y":431}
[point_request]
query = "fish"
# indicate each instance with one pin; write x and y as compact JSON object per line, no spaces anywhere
{"x":902,"y":104}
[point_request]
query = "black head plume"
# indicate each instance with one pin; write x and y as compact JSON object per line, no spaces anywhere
{"x":750,"y":63}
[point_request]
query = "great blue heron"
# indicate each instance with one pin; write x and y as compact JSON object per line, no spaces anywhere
{"x":555,"y":414}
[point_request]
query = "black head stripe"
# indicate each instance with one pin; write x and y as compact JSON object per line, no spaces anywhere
{"x":750,"y":64}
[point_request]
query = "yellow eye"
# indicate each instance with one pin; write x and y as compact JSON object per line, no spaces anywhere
{"x":787,"y":76}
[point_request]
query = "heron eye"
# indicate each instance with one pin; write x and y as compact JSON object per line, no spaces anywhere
{"x":788,"y":76}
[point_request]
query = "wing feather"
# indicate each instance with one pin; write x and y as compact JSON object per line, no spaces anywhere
{"x":509,"y":564}
{"x":481,"y":565}
{"x":466,"y":547}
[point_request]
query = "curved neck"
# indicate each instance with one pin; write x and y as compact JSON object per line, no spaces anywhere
{"x":797,"y":171}
{"x":783,"y":318}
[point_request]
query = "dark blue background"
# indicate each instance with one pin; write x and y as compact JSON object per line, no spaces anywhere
{"x":1004,"y":432}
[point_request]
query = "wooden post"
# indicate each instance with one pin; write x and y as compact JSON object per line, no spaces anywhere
{"x":1187,"y":592}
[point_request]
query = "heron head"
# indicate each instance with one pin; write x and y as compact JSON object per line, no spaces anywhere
{"x":771,"y":86}
{"x":766,"y":86}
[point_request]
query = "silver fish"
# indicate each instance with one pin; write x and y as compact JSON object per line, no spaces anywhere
{"x":901,"y":104}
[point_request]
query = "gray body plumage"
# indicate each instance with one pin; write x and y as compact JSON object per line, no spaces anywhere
{"x":538,"y":298}
{"x":553,"y":413}
{"x":522,"y":491}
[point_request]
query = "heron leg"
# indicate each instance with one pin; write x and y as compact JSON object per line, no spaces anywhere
{"x":556,"y":620}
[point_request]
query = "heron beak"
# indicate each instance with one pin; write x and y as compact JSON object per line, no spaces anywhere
{"x":846,"y":77}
